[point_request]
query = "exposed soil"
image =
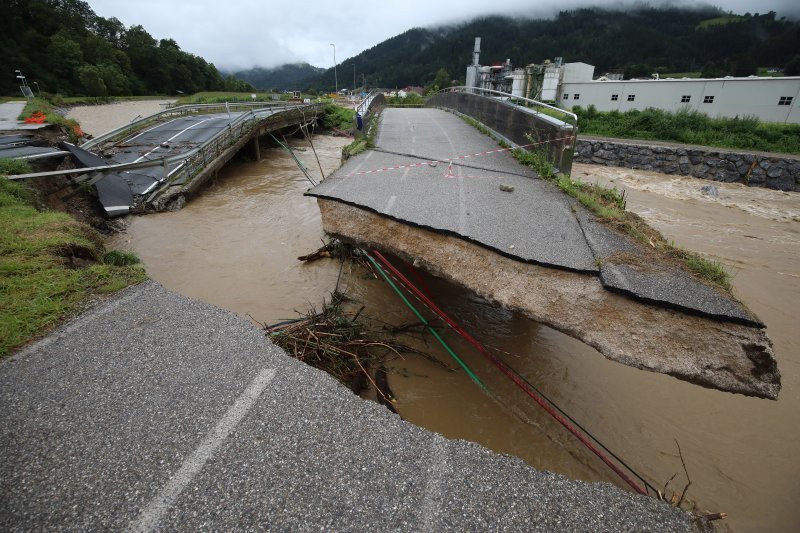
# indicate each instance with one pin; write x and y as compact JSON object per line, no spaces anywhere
{"x":704,"y":351}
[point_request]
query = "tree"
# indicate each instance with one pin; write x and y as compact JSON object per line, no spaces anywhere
{"x":793,"y":67}
{"x":92,"y":80}
{"x":442,"y":80}
{"x":65,"y":57}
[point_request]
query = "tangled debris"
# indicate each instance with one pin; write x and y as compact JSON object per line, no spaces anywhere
{"x":334,"y":340}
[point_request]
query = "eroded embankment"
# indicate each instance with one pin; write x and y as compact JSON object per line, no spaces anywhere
{"x":705,"y":351}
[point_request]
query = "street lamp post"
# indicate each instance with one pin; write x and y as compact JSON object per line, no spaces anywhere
{"x":335,"y":76}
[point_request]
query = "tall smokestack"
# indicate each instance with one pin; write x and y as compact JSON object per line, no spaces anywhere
{"x":476,"y":52}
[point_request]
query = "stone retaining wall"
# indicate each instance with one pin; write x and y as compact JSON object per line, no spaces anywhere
{"x":760,"y":170}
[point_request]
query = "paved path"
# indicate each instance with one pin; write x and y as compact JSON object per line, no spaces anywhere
{"x":9,"y":111}
{"x":157,"y":412}
{"x":433,"y":170}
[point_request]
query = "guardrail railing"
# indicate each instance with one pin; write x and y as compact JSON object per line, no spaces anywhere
{"x":536,"y":126}
{"x":546,"y":109}
{"x":191,"y":162}
{"x":363,"y":107}
{"x":194,"y":161}
{"x":192,"y":109}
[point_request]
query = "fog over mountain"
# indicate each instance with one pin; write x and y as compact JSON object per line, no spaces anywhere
{"x":241,"y":34}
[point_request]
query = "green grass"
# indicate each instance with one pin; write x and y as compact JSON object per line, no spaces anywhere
{"x":679,"y":75}
{"x":691,"y":127}
{"x":49,"y":267}
{"x":609,"y":205}
{"x":120,"y":258}
{"x":762,"y":72}
{"x":338,"y":117}
{"x":409,"y":100}
{"x":365,"y":141}
{"x":40,"y":105}
{"x":220,"y":97}
{"x":718,"y":21}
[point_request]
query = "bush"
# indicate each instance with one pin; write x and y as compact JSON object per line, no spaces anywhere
{"x":338,"y":117}
{"x":691,"y":127}
{"x":120,"y":258}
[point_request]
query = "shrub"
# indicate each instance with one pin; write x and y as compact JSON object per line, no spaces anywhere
{"x":692,"y":127}
{"x":120,"y":258}
{"x":338,"y":117}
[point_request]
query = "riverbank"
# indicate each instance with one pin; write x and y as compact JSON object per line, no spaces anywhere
{"x":98,"y":119}
{"x":146,"y":419}
{"x":740,"y":452}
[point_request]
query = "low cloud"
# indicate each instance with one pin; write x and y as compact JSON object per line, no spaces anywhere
{"x":245,"y":33}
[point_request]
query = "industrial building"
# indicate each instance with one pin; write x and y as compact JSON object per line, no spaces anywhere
{"x":572,"y":84}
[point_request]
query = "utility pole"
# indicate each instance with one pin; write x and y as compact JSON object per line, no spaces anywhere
{"x":335,"y":76}
{"x":354,"y":77}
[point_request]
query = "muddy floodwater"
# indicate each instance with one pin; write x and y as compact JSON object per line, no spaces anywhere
{"x":236,"y":244}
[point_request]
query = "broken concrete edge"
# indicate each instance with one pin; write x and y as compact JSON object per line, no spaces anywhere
{"x":450,"y":233}
{"x":730,"y":309}
{"x":701,"y":350}
{"x":597,"y":272}
{"x":175,"y":196}
{"x":681,"y":308}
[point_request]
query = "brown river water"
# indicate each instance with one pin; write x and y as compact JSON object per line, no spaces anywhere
{"x":235,"y":245}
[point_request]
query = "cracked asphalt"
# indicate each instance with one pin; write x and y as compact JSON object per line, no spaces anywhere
{"x":432,"y":170}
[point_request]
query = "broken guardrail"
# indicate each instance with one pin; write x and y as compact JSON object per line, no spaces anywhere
{"x":193,"y":161}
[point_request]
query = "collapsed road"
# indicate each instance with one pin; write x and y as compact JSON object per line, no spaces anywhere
{"x":537,"y":251}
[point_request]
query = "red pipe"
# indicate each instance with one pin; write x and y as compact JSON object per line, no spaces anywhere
{"x":512,"y":375}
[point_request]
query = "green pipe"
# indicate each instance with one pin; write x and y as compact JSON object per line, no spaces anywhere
{"x":422,"y":319}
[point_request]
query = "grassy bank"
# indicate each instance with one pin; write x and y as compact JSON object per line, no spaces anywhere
{"x":691,"y":127}
{"x":219,"y":97}
{"x":609,"y":206}
{"x":42,"y":110}
{"x":338,"y":117}
{"x":50,"y":265}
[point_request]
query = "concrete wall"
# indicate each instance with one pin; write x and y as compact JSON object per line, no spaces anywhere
{"x":761,"y":170}
{"x":731,"y":97}
{"x":514,"y":123}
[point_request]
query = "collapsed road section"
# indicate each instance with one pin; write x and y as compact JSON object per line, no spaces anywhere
{"x":158,"y":161}
{"x":489,"y":224}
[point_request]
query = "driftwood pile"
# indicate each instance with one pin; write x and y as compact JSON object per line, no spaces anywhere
{"x":335,"y":341}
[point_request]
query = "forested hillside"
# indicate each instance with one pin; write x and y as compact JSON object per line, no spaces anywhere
{"x":66,"y":48}
{"x":284,"y":78}
{"x":640,"y":41}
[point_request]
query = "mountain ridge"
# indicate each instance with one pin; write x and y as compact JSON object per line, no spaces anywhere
{"x":640,"y":41}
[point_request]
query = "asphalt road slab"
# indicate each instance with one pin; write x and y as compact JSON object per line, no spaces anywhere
{"x":153,"y":411}
{"x":432,"y":170}
{"x":450,"y":180}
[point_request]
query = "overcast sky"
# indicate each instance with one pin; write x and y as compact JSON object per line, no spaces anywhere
{"x":237,"y":34}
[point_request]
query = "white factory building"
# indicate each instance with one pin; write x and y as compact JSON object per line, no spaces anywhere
{"x":769,"y":99}
{"x":572,"y":84}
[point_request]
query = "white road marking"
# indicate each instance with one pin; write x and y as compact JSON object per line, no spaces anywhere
{"x":346,"y":176}
{"x":389,"y":204}
{"x":174,"y":137}
{"x":462,"y":207}
{"x":151,"y":129}
{"x":439,"y":470}
{"x":149,"y":518}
